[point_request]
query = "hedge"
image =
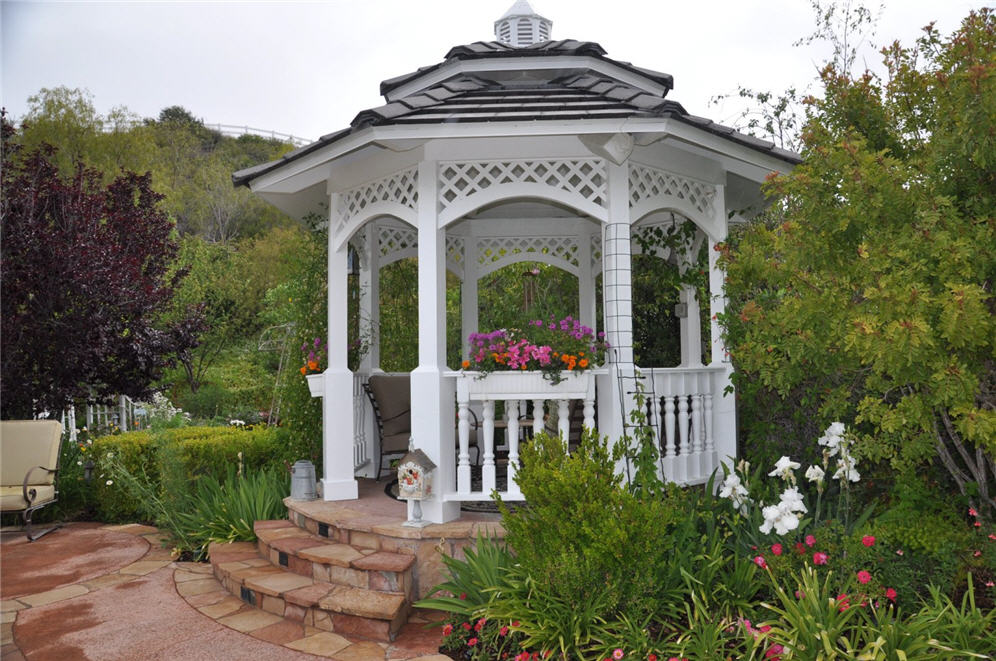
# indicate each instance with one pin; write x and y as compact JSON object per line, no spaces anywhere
{"x":173,"y":458}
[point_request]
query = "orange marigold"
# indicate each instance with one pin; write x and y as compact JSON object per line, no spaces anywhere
{"x":465,"y":364}
{"x":304,"y":370}
{"x":583,"y":362}
{"x":313,"y":365}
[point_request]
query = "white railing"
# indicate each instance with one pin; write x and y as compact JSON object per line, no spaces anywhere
{"x":550,"y":406}
{"x":681,"y":410}
{"x":364,"y":428}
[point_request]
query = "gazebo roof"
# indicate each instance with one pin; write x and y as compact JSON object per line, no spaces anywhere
{"x":489,"y":81}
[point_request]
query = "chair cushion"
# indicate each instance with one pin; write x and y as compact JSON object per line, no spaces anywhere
{"x":25,"y":444}
{"x":12,"y":498}
{"x":394,"y":398}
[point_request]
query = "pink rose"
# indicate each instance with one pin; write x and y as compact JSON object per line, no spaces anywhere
{"x":868,"y":541}
{"x":819,"y":558}
{"x":810,"y":540}
{"x":864,"y":577}
{"x":776,"y":549}
{"x":760,"y":562}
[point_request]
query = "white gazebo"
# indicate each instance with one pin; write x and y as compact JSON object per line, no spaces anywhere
{"x":523,"y":149}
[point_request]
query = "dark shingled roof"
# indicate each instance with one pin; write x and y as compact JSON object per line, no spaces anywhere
{"x":477,"y":98}
{"x":480,"y":50}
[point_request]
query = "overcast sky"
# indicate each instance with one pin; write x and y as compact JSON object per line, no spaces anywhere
{"x":307,"y":68}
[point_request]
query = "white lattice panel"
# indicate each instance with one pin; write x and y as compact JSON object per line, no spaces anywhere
{"x":496,"y":250}
{"x":583,"y":177}
{"x":400,"y":188}
{"x":455,"y":254}
{"x":647,"y":183}
{"x":395,"y":242}
{"x":596,"y":254}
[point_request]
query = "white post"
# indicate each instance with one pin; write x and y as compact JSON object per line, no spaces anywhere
{"x":586,"y":283}
{"x":370,"y":298}
{"x":468,"y":294}
{"x":717,"y":292}
{"x":615,"y":405}
{"x":433,"y":411}
{"x":724,"y":412}
{"x":338,"y":482}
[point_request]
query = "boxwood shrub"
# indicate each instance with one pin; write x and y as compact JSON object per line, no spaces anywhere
{"x":171,"y":459}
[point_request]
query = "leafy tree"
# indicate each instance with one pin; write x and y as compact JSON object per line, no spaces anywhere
{"x":873,"y":299}
{"x":85,"y":272}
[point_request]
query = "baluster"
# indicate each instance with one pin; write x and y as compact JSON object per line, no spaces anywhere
{"x":564,"y":422}
{"x":670,"y":471}
{"x":695,"y":469}
{"x":684,"y":444}
{"x":463,"y":460}
{"x":669,"y":426}
{"x":512,"y":406}
{"x":655,"y":421}
{"x":537,"y":416}
{"x":589,"y":413}
{"x":488,"y":468}
{"x":710,"y":442}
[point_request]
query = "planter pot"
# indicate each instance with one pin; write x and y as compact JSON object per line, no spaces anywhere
{"x":316,"y":384}
{"x":527,"y":385}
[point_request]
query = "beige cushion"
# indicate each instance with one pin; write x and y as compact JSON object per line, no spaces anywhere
{"x":394,"y":399}
{"x":25,"y":444}
{"x":12,"y":498}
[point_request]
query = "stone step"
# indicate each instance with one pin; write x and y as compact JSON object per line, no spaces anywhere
{"x":342,"y":609}
{"x":288,"y":546}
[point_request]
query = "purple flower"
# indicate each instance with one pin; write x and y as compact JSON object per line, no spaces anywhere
{"x":311,"y":355}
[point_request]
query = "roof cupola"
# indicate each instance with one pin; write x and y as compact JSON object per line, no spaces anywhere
{"x":521,"y":26}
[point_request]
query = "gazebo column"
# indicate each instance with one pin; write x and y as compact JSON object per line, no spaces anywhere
{"x":370,"y":298}
{"x":690,"y":325}
{"x":614,"y":406}
{"x":468,"y":295}
{"x":586,"y":284}
{"x":723,"y":403}
{"x":433,"y":411}
{"x":338,"y":482}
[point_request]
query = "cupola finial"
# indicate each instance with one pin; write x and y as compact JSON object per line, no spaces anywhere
{"x":521,"y":26}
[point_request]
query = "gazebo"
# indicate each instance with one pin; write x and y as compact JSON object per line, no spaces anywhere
{"x":523,"y":149}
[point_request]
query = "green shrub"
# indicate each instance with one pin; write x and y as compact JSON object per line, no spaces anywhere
{"x":582,"y":535}
{"x":209,"y":401}
{"x":171,"y":459}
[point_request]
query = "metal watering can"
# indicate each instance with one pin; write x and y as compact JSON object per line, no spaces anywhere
{"x":303,"y":481}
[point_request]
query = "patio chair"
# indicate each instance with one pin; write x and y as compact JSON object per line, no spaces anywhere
{"x":391,"y":398}
{"x":29,"y":462}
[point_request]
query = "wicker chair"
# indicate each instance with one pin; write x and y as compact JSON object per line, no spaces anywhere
{"x":391,"y":398}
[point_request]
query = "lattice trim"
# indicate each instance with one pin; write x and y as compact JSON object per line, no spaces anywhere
{"x":583,"y":177}
{"x":492,"y":250}
{"x":647,"y":183}
{"x":596,"y":253}
{"x":400,"y":187}
{"x":394,"y":240}
{"x":455,"y":255}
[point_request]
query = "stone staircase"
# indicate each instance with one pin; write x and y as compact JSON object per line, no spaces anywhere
{"x":347,"y":588}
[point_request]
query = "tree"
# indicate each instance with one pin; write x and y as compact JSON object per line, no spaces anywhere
{"x":873,"y":299}
{"x":85,"y":271}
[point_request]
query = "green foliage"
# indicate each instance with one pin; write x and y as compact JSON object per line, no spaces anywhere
{"x":167,"y":462}
{"x":873,"y":300}
{"x":226,"y":511}
{"x":303,"y":300}
{"x":814,"y":619}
